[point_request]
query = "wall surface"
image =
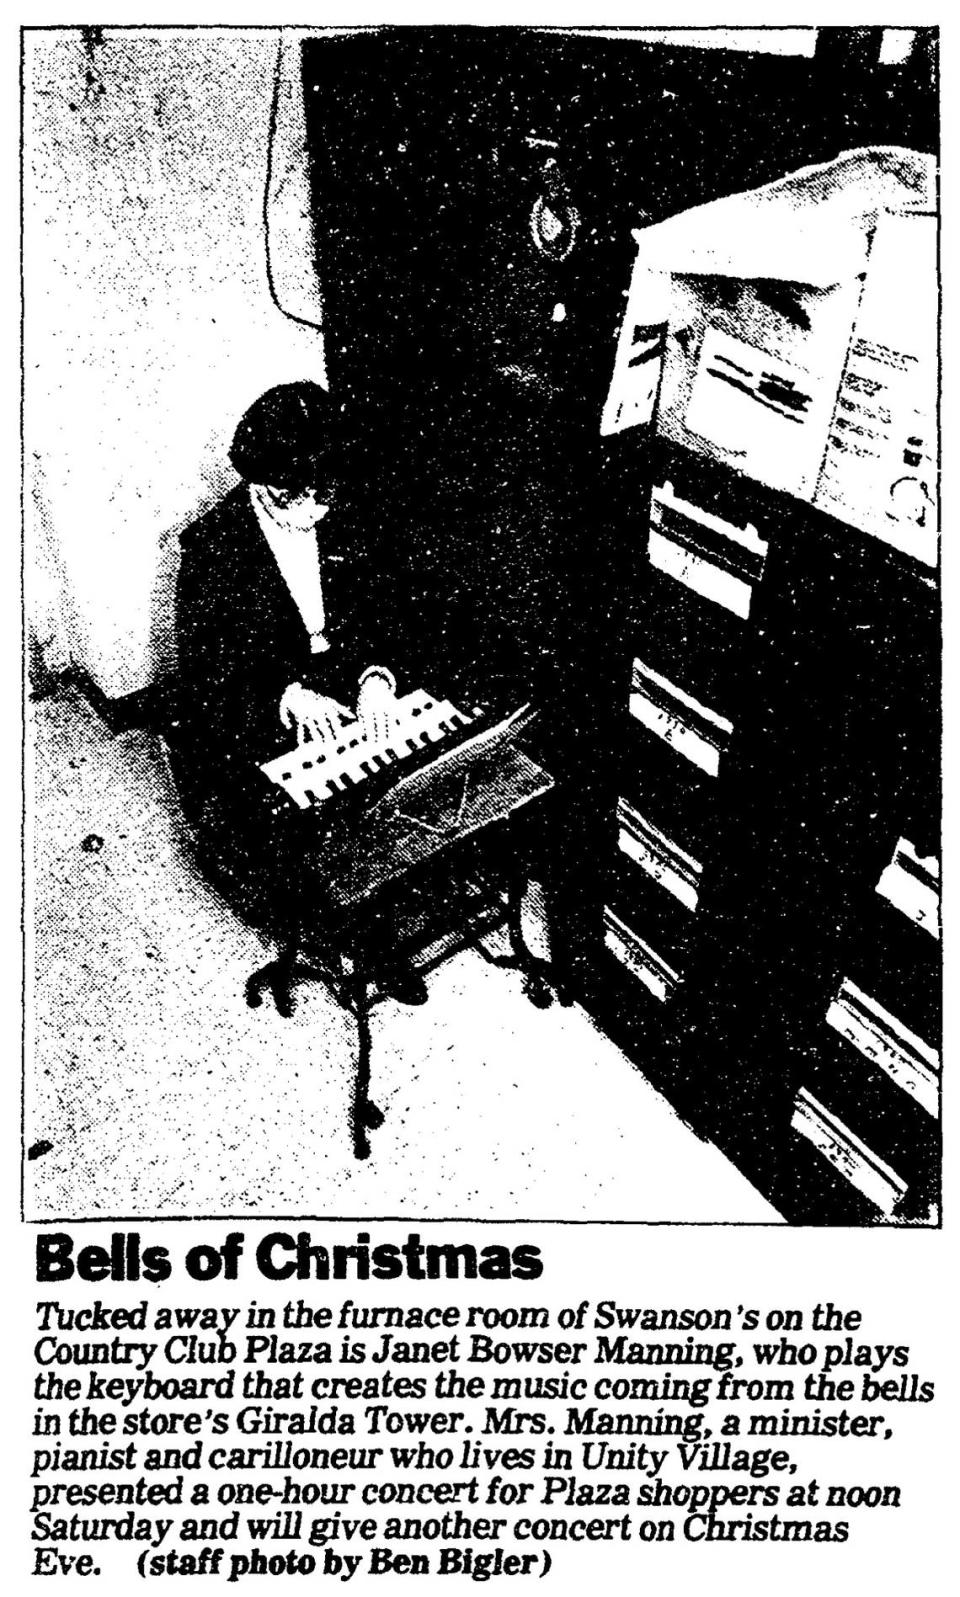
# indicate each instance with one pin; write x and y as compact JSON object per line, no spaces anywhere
{"x":149,"y":322}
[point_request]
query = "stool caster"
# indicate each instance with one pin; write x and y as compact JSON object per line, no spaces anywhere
{"x":367,"y":1117}
{"x":277,"y":978}
{"x":277,"y":984}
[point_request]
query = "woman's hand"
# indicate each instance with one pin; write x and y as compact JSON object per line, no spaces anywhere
{"x":315,"y":715}
{"x":377,"y":704}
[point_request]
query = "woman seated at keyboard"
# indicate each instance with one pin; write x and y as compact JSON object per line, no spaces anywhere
{"x":286,"y":626}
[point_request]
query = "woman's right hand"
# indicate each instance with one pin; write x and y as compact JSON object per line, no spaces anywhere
{"x":315,"y":715}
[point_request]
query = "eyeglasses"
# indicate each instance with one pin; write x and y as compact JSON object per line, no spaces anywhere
{"x":285,"y":498}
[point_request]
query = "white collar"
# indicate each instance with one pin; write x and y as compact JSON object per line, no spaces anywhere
{"x":264,"y":510}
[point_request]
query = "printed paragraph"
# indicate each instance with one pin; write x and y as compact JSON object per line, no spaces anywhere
{"x":306,"y":1438}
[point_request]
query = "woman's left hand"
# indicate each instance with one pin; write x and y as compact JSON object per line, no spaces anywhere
{"x":377,"y":706}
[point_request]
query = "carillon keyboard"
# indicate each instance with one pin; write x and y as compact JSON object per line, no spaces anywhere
{"x":313,"y":771}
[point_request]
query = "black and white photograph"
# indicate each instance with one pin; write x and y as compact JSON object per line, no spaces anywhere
{"x":483,"y":622}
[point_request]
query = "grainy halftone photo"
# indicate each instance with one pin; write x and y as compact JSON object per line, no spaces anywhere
{"x":483,"y":624}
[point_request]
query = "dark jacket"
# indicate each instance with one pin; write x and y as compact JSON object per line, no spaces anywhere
{"x":241,"y":641}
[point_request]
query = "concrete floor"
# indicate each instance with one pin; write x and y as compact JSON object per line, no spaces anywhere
{"x":160,"y":1093}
